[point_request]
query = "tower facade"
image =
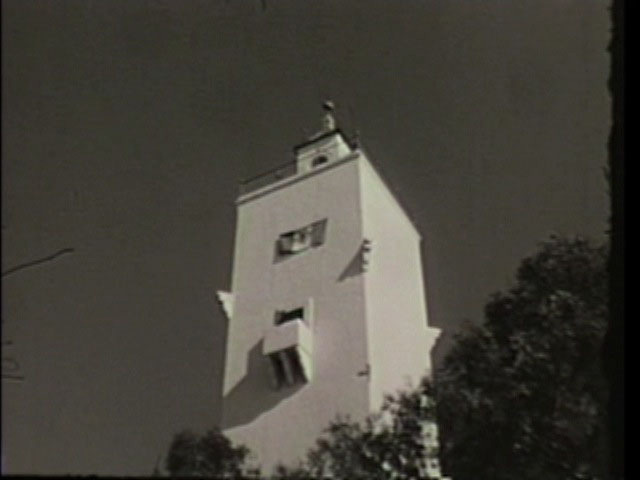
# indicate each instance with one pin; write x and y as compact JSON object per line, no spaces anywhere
{"x":327,"y":309}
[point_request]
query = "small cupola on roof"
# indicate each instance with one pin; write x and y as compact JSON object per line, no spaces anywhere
{"x":325,"y":146}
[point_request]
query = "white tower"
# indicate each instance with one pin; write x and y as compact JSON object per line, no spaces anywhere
{"x":327,"y":311}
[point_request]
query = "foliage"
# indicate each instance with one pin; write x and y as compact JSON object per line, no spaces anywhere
{"x":523,"y":395}
{"x":211,"y":454}
{"x":390,"y":444}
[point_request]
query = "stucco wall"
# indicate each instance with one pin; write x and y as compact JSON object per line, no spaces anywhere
{"x":398,"y":334}
{"x":279,"y":425}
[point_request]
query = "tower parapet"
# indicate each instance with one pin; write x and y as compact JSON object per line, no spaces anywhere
{"x":323,"y":147}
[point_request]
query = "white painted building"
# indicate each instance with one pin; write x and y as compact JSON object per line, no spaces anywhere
{"x":327,"y":309}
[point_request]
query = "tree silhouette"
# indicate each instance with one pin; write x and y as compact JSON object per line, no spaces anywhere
{"x":211,"y":454}
{"x":399,"y":442}
{"x":523,"y":395}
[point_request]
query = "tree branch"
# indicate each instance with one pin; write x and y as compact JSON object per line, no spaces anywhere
{"x":33,"y":263}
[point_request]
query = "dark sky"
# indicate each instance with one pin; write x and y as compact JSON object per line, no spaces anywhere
{"x":126,"y":126}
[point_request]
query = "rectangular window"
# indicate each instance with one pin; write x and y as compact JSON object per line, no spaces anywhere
{"x":287,"y":368}
{"x":294,"y":242}
{"x":297,"y":241}
{"x":284,"y":316}
{"x":278,"y":370}
{"x":297,"y":372}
